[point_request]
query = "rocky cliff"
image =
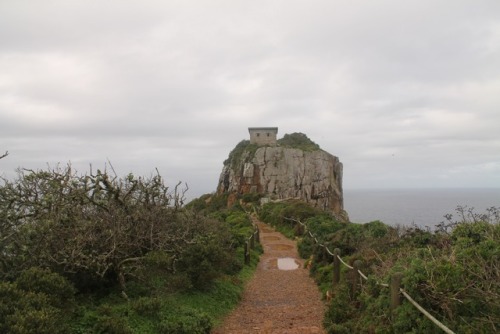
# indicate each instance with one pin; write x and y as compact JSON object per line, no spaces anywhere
{"x":294,"y":168}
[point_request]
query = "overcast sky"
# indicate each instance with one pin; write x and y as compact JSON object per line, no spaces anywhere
{"x":405,"y":93}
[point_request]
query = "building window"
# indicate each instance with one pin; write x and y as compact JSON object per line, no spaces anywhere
{"x":258,"y":134}
{"x":268,"y":134}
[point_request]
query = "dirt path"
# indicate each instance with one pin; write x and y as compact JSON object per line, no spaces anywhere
{"x":277,"y":301}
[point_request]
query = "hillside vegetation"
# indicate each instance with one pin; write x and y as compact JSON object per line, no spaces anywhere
{"x":453,"y":273}
{"x":100,"y":254}
{"x":295,"y":140}
{"x":96,"y":253}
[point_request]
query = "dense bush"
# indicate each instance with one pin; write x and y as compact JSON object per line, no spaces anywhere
{"x":38,"y":280}
{"x":284,"y":215}
{"x":186,"y":321}
{"x":453,"y":276}
{"x":95,"y":228}
{"x":298,"y":140}
{"x":121,"y":245}
{"x":452,"y":273}
{"x":205,"y":260}
{"x":208,"y":204}
{"x":243,"y":150}
{"x":39,"y":301}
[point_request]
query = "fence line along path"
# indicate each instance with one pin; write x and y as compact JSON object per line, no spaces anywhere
{"x":281,"y":297}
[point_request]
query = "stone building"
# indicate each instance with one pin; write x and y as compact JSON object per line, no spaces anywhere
{"x":263,"y":136}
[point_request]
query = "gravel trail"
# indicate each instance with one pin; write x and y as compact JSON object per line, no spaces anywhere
{"x":278,"y":299}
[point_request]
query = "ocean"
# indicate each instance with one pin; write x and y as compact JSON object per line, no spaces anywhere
{"x":422,"y":207}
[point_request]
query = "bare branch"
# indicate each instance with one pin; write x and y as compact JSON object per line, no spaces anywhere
{"x":112,"y":168}
{"x":4,"y":155}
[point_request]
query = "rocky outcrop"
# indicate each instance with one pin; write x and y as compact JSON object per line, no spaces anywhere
{"x":314,"y":176}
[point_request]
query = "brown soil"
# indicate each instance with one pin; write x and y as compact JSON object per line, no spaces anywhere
{"x":277,"y":301}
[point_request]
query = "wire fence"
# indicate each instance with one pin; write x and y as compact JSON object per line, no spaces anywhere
{"x":395,"y":287}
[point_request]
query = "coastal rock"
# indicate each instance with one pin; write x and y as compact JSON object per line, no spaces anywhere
{"x":277,"y":172}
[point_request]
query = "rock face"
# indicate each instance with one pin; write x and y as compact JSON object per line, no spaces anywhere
{"x":283,"y":172}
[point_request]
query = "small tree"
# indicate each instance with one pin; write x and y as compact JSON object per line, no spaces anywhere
{"x":94,"y":228}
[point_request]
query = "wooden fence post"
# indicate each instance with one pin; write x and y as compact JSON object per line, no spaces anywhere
{"x":395,"y":286}
{"x":300,"y":230}
{"x":258,"y":235}
{"x":336,"y":267}
{"x":356,"y":277}
{"x":252,"y":241}
{"x":246,"y":253}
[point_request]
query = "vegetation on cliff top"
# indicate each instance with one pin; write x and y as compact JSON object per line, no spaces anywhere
{"x":299,"y":141}
{"x":237,"y":153}
{"x":295,"y":140}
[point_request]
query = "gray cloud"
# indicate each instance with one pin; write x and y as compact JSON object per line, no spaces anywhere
{"x":405,"y":93}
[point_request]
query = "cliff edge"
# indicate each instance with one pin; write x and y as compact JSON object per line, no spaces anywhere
{"x":293,"y":167}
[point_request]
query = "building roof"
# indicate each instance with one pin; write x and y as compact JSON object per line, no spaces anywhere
{"x":263,"y":128}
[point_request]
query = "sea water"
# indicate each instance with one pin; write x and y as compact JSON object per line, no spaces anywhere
{"x":422,"y":207}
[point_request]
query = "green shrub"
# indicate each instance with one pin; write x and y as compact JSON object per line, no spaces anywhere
{"x":147,"y":306}
{"x":9,"y":298}
{"x":283,"y":216}
{"x":452,"y":274}
{"x":242,"y":150}
{"x":376,"y":229}
{"x":407,"y":319}
{"x":32,"y":320}
{"x":205,"y":260}
{"x":208,"y":204}
{"x":298,"y":140}
{"x":111,"y":325}
{"x":417,"y":237}
{"x":348,"y":239}
{"x":29,"y":312}
{"x":473,"y":233}
{"x":340,"y":310}
{"x":57,"y":288}
{"x":186,"y":321}
{"x":305,"y":247}
{"x":251,"y":197}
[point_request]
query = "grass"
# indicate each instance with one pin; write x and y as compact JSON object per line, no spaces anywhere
{"x":181,"y":312}
{"x":222,"y":298}
{"x":286,"y":230}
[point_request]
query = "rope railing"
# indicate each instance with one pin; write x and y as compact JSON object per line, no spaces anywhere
{"x":427,"y":314}
{"x":345,"y":264}
{"x":395,"y":297}
{"x":363,"y":275}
